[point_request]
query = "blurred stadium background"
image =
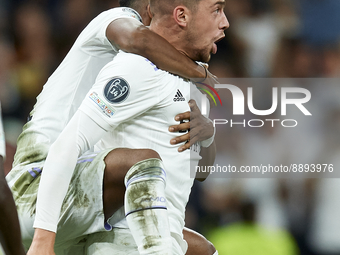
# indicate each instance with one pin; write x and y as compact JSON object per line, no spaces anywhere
{"x":266,"y":38}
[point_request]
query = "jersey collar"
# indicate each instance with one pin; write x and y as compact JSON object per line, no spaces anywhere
{"x":127,"y":9}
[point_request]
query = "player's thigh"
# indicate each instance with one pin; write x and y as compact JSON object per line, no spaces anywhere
{"x":197,"y":243}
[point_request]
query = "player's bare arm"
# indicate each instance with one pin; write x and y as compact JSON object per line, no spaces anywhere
{"x":131,"y":36}
{"x":200,"y":128}
{"x":9,"y":225}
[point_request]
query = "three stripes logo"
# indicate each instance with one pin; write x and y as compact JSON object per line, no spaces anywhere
{"x":179,"y":97}
{"x":209,"y":93}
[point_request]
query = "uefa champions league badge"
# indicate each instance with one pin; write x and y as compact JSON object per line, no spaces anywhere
{"x":116,"y":90}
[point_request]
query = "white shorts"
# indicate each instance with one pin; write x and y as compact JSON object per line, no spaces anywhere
{"x":82,"y":210}
{"x":119,"y":241}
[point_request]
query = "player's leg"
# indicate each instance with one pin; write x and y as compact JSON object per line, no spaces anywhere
{"x":198,"y":244}
{"x":144,"y":200}
{"x":118,"y":162}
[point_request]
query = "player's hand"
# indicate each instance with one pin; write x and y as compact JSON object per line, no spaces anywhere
{"x":199,"y":127}
{"x":43,"y":243}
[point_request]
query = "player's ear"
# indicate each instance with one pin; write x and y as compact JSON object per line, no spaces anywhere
{"x":149,"y":11}
{"x":181,"y":15}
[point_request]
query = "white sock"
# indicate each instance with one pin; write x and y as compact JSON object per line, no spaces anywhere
{"x":216,"y":253}
{"x":145,"y":207}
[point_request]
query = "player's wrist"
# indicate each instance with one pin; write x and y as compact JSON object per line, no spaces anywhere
{"x":204,"y":71}
{"x":44,"y":237}
{"x":207,"y":142}
{"x":201,"y":72}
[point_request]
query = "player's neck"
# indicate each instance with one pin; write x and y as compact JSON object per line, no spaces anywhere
{"x":172,"y":34}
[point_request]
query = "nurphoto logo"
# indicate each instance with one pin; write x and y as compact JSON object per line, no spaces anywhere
{"x":240,"y":101}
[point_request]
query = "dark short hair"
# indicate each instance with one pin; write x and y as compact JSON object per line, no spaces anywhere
{"x":126,"y":3}
{"x":134,"y":4}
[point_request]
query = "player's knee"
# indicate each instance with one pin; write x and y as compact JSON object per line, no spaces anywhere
{"x":139,"y":155}
{"x":129,"y":157}
{"x":144,"y":154}
{"x":206,"y":247}
{"x":119,"y":161}
{"x":197,"y":243}
{"x":142,"y":170}
{"x":210,"y":248}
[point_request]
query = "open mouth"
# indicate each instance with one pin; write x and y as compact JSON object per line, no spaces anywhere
{"x":214,"y":48}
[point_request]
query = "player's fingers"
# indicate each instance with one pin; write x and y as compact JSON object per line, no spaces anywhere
{"x":184,"y":147}
{"x":180,"y":127}
{"x":183,"y":116}
{"x":180,"y":139}
{"x":194,"y":108}
{"x":187,"y":145}
{"x":192,"y":139}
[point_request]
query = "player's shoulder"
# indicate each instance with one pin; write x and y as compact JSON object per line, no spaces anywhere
{"x":136,"y":65}
{"x":102,"y":20}
{"x":138,"y":72}
{"x":119,"y":12}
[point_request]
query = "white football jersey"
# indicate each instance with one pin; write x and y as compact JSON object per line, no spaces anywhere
{"x":136,"y":103}
{"x":67,"y":86}
{"x":2,"y":138}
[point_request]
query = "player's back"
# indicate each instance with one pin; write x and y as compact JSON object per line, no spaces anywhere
{"x":66,"y":88}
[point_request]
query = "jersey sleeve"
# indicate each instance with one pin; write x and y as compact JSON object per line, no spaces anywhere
{"x":94,"y":39}
{"x":80,"y":134}
{"x":125,"y":88}
{"x":2,"y":138}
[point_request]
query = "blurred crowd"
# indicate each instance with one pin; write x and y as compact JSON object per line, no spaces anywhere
{"x":266,"y":39}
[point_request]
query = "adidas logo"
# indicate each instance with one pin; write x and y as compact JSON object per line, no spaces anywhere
{"x":179,"y":97}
